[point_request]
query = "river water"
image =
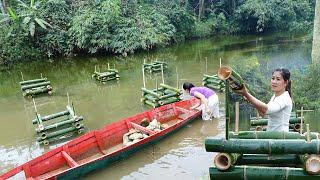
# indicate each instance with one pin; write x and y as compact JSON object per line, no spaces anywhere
{"x":181,"y":155}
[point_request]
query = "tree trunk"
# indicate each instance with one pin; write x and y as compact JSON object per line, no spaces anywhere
{"x":316,"y":35}
{"x":201,"y":4}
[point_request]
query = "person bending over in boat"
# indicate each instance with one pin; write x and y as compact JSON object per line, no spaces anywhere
{"x":280,"y":105}
{"x":209,"y":100}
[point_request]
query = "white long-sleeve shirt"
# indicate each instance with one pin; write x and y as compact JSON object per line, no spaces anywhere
{"x":279,"y":111}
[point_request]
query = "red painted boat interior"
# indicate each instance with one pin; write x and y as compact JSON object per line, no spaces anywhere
{"x":104,"y":142}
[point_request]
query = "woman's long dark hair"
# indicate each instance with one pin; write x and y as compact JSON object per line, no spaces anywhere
{"x":187,"y":86}
{"x":286,"y":76}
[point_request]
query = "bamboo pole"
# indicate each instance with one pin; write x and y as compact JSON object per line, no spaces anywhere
{"x":60,"y":124}
{"x":33,"y":81}
{"x":271,"y":135}
{"x":264,"y":121}
{"x":237,"y":118}
{"x":206,"y":65}
{"x":235,"y":80}
{"x":57,"y":133}
{"x":143,"y":78}
{"x":261,"y":173}
{"x":311,"y":163}
{"x":224,"y":161}
{"x":170,"y":87}
{"x":227,"y":109}
{"x":301,"y":129}
{"x":162,"y":74}
{"x":308,"y":133}
{"x":215,"y":76}
{"x":35,"y":85}
{"x":263,"y":146}
{"x":220,"y":62}
{"x":287,"y":159}
{"x":52,"y":116}
{"x":151,"y":92}
{"x":148,"y":102}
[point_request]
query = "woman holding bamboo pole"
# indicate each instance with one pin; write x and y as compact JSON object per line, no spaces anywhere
{"x":209,"y":100}
{"x":280,"y":105}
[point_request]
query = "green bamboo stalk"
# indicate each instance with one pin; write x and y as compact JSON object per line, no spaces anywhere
{"x":31,"y":92}
{"x":212,"y":86}
{"x":311,"y":163}
{"x":261,"y":173}
{"x":285,"y":159}
{"x":52,"y":116}
{"x":227,"y":101}
{"x":57,"y":133}
{"x":264,"y":121}
{"x":224,"y":161}
{"x":35,"y":85}
{"x":263,"y":146}
{"x":214,"y":81}
{"x":150,"y":98}
{"x":168,"y":96}
{"x":215,"y":76}
{"x":150,"y":103}
{"x":168,"y":91}
{"x":151,"y":92}
{"x":171,"y":88}
{"x":271,"y":135}
{"x":32,"y":81}
{"x":235,"y":80}
{"x":59,"y":124}
{"x":49,"y":140}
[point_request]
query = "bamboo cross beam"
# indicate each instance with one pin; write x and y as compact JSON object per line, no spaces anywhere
{"x":263,"y":146}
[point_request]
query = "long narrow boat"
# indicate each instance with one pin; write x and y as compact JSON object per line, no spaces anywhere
{"x":100,"y":148}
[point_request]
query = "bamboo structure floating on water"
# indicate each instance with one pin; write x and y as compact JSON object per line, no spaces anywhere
{"x":155,"y":66}
{"x":58,"y":125}
{"x":108,"y":75}
{"x":33,"y":87}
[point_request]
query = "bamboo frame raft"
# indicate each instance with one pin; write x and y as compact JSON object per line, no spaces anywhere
{"x":213,"y":82}
{"x":33,"y":87}
{"x":165,"y":94}
{"x":59,"y":125}
{"x":155,"y":66}
{"x":108,"y":75}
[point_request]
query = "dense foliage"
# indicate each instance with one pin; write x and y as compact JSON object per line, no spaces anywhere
{"x":32,"y":29}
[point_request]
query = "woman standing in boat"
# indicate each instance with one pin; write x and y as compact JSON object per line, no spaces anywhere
{"x":209,"y":100}
{"x":280,"y":105}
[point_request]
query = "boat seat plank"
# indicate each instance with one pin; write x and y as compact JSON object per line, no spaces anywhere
{"x":184,"y":110}
{"x":141,"y":128}
{"x":99,"y":142}
{"x":70,"y":161}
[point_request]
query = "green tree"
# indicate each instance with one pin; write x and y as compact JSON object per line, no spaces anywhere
{"x":316,"y":35}
{"x":30,"y":16}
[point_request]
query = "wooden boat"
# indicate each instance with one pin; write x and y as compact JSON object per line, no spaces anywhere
{"x":100,"y":148}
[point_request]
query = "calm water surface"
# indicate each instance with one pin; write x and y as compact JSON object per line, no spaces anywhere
{"x":181,"y":155}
